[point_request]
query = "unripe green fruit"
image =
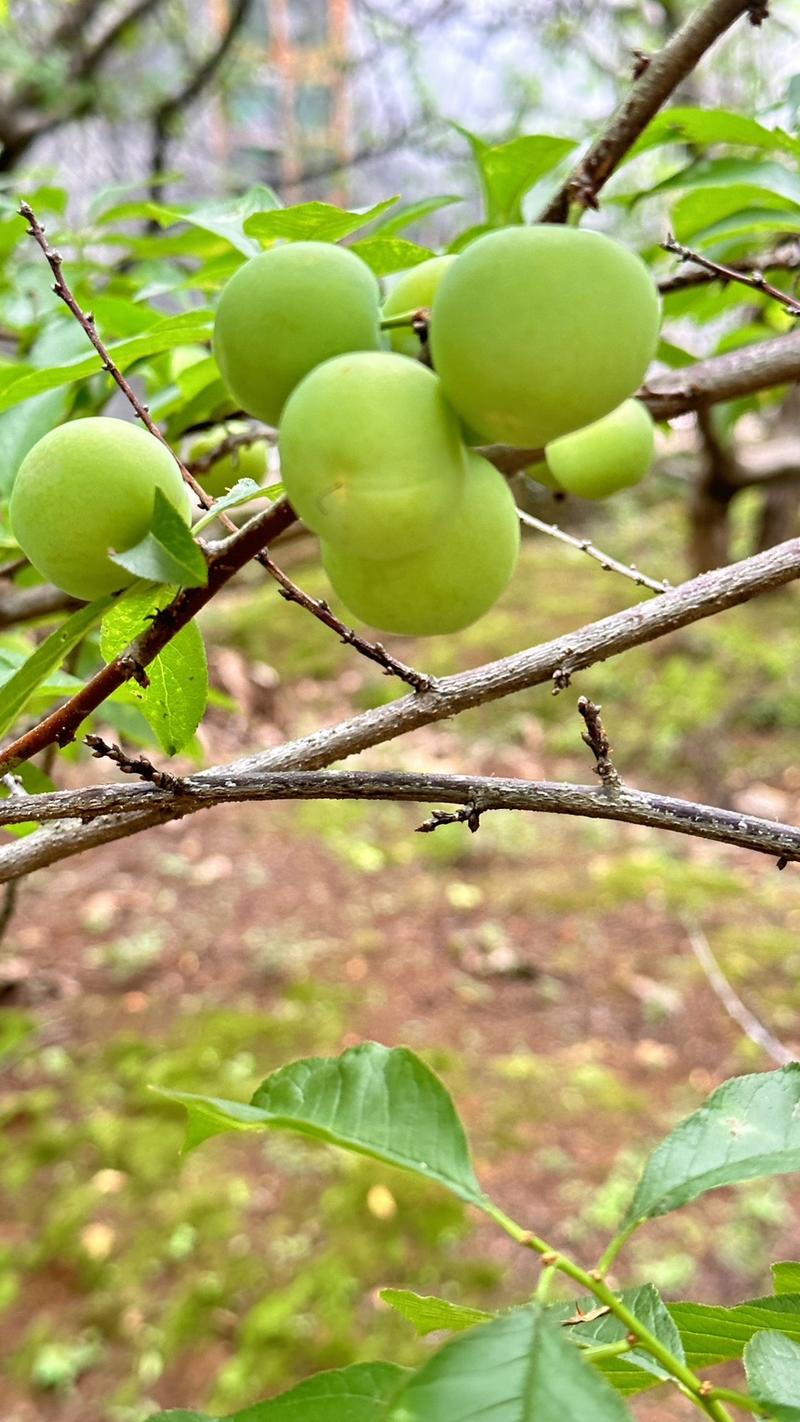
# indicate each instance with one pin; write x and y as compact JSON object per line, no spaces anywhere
{"x":543,"y":475}
{"x":371,"y":455}
{"x":85,"y":489}
{"x":536,"y":331}
{"x":249,"y":461}
{"x":610,"y":454}
{"x":285,"y":312}
{"x":448,"y":585}
{"x":414,"y":292}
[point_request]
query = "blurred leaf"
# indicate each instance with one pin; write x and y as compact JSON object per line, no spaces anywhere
{"x":313,"y":222}
{"x":17,"y":691}
{"x":174,"y":702}
{"x":698,"y":127}
{"x":225,"y":219}
{"x":738,"y":205}
{"x":509,"y":170}
{"x":707,"y":173}
{"x":386,"y":255}
{"x":377,"y":1101}
{"x":428,"y":1314}
{"x":164,"y":336}
{"x":355,"y":1394}
{"x":717,"y":1335}
{"x":748,"y":1127}
{"x":409,"y":213}
{"x":772,"y":1364}
{"x":168,"y":552}
{"x":518,"y":1368}
{"x":786,"y":1277}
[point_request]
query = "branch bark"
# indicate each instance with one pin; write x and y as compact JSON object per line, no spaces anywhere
{"x":482,"y":793}
{"x":653,"y":86}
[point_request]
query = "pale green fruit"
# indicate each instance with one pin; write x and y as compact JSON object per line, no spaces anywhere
{"x":247,"y":462}
{"x":371,"y":455}
{"x":448,"y":585}
{"x":414,"y":292}
{"x":536,"y":331}
{"x":287,"y":310}
{"x":85,"y":489}
{"x":542,"y":474}
{"x":610,"y":454}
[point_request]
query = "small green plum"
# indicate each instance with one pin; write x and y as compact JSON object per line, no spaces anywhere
{"x":85,"y":489}
{"x":414,"y":291}
{"x":536,"y":331}
{"x":448,"y":585}
{"x":287,"y":310}
{"x":543,"y":475}
{"x":249,"y":461}
{"x":371,"y":454}
{"x":606,"y":456}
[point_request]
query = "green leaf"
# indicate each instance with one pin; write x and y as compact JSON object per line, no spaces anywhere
{"x":738,"y":206}
{"x":786,"y":1277}
{"x":224,"y":219}
{"x":772,"y":178}
{"x":648,"y":1306}
{"x":697,"y":127}
{"x":355,"y":1394}
{"x":748,"y":1128}
{"x":377,"y":1101}
{"x":519,"y":1368}
{"x":243,"y":491}
{"x":164,"y":336}
{"x":428,"y":1314}
{"x":174,"y":702}
{"x":772,"y":1364}
{"x":717,"y":1335}
{"x":168,"y":552}
{"x":411,"y":212}
{"x":313,"y":222}
{"x":386,"y":255}
{"x":18,"y":690}
{"x":509,"y":170}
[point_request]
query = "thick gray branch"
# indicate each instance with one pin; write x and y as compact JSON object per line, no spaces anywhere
{"x":661,"y":76}
{"x":481,"y":792}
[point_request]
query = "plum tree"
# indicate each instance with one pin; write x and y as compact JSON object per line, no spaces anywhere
{"x":287,"y":310}
{"x":87,"y":488}
{"x":248,"y":461}
{"x":371,"y":454}
{"x":536,"y":331}
{"x":613,"y":453}
{"x":414,"y":292}
{"x":447,"y":585}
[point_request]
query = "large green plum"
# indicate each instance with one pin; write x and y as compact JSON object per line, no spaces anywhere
{"x":414,"y":292}
{"x":536,"y":331}
{"x":248,"y":461}
{"x":371,"y":454}
{"x":287,"y":310}
{"x":447,"y":585}
{"x":610,"y":454}
{"x":88,"y":488}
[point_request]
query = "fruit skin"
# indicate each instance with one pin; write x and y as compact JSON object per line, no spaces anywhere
{"x":536,"y":331}
{"x":248,"y":462}
{"x":371,"y":454}
{"x":414,"y":292}
{"x":543,"y":474}
{"x":445,"y":587}
{"x":85,"y":488}
{"x":610,"y":454}
{"x":287,"y":310}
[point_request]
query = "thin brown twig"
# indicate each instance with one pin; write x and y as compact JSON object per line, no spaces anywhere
{"x":231,"y":444}
{"x":784,"y":258}
{"x":754,"y":280}
{"x":651,"y":89}
{"x":585,"y":545}
{"x":596,"y":739}
{"x":134,"y":765}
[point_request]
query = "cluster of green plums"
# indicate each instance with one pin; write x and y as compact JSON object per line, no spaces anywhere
{"x":537,"y":337}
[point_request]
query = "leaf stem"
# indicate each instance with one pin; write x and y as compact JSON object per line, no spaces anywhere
{"x":739,"y":1399}
{"x":607,"y":1350}
{"x":403,"y":318}
{"x":616,"y":1246}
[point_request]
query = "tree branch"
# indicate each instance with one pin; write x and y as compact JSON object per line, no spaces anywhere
{"x":585,"y":545}
{"x":784,"y":258}
{"x":109,"y":805}
{"x":754,"y":279}
{"x":26,"y":604}
{"x":653,"y":86}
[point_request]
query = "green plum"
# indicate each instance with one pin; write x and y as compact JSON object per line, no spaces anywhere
{"x":536,"y":331}
{"x":611,"y":454}
{"x":543,"y":475}
{"x":287,"y":310}
{"x":371,"y":454}
{"x":414,"y":292}
{"x":247,"y":462}
{"x":448,"y":585}
{"x":85,"y":489}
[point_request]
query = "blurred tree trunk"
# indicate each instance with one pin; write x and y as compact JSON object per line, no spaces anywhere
{"x":710,"y":500}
